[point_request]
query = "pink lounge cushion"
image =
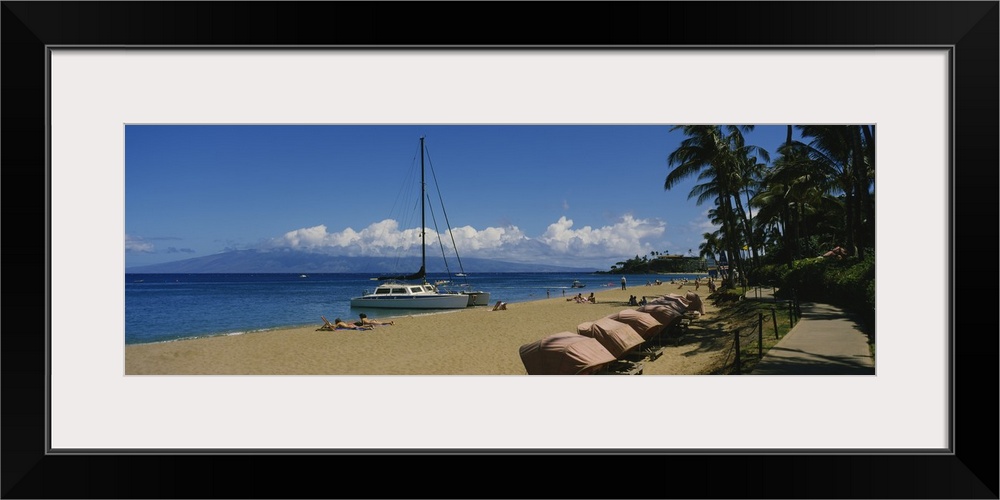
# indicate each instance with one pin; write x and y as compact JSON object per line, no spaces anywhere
{"x":671,"y":299}
{"x":617,"y":337}
{"x":675,"y":305}
{"x":696,"y":303}
{"x":564,"y":353}
{"x":666,"y":315}
{"x":643,"y":323}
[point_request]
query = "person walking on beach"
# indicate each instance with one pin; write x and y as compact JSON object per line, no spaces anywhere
{"x":623,"y":282}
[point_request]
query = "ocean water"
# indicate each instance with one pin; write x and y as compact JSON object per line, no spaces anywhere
{"x":166,"y":307}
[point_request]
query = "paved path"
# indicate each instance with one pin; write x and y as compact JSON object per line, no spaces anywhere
{"x":825,"y":341}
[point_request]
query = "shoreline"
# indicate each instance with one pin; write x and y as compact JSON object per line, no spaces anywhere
{"x":475,"y":341}
{"x":283,"y":328}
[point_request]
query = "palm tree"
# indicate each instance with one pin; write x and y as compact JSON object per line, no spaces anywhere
{"x":795,"y":185}
{"x":710,"y":247}
{"x":715,"y":155}
{"x":849,"y":150}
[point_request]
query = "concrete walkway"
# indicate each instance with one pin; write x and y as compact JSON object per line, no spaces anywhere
{"x":825,"y":341}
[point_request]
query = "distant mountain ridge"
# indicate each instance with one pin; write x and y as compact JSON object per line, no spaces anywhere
{"x":254,"y":261}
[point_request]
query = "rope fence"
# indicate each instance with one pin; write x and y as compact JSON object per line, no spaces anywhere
{"x":748,"y":338}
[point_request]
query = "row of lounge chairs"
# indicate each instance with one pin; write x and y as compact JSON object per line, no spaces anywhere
{"x":617,"y":344}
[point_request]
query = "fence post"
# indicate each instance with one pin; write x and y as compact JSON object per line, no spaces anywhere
{"x":774,"y":318}
{"x":760,"y":335}
{"x":736,"y":343}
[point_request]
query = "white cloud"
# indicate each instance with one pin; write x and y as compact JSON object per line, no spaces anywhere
{"x":623,"y":237}
{"x":310,"y":237}
{"x":137,"y":245}
{"x":560,"y":244}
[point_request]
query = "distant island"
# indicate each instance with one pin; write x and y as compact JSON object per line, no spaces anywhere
{"x":288,"y":261}
{"x":660,"y":263}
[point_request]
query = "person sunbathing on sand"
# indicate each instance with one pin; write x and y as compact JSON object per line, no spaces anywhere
{"x":371,"y":322}
{"x":342,"y":325}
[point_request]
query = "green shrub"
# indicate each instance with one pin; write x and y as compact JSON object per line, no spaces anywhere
{"x":726,"y":295}
{"x":848,"y":283}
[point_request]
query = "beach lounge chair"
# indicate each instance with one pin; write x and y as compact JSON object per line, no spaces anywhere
{"x":617,"y":337}
{"x":327,"y":326}
{"x":643,"y":323}
{"x":647,"y":327}
{"x":695,"y":303}
{"x":670,"y":315}
{"x":565,"y":353}
{"x":672,"y":300}
{"x":666,"y":314}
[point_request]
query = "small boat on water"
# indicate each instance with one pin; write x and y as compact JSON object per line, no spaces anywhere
{"x":402,"y":292}
{"x":400,"y":295}
{"x":477,"y":298}
{"x":577,"y":284}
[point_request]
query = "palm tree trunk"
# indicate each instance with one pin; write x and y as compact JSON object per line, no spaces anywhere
{"x":752,"y":240}
{"x":732,"y":241}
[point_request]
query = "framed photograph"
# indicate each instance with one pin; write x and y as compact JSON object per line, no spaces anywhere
{"x":77,"y":75}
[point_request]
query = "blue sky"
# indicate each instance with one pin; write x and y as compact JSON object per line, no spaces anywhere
{"x":575,"y":195}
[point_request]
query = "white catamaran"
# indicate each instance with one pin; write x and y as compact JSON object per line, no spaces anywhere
{"x":413,"y":291}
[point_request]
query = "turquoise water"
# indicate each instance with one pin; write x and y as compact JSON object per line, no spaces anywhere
{"x":164,"y":307}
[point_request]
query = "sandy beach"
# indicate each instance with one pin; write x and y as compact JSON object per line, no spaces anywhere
{"x":474,"y":341}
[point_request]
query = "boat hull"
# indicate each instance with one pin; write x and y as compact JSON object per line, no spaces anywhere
{"x":441,"y":301}
{"x":478,"y":298}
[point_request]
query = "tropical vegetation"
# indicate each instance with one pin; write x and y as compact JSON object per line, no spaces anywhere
{"x":657,"y":262}
{"x":777,"y":218}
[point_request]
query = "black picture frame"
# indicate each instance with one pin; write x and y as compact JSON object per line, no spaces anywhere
{"x":970,"y":28}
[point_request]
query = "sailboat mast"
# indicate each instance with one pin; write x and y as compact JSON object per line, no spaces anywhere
{"x":423,"y":231}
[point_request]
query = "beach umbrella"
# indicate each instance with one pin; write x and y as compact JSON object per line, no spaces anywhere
{"x":617,"y":337}
{"x":564,"y":353}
